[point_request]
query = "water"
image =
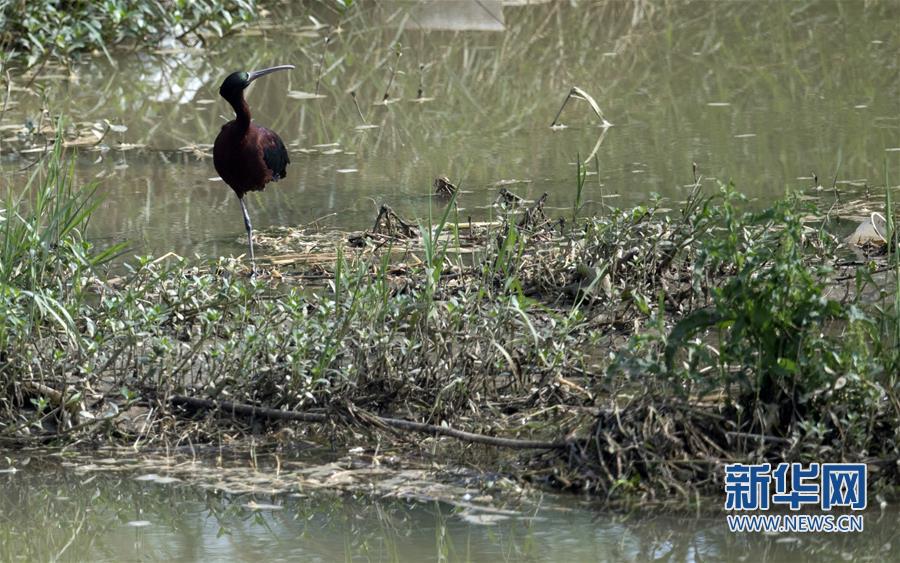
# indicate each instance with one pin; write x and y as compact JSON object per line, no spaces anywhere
{"x":77,"y":512}
{"x":765,"y":93}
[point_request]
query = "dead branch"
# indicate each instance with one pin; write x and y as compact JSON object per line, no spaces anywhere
{"x":391,"y":224}
{"x":239,"y":409}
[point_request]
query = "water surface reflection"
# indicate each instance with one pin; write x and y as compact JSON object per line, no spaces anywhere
{"x":759,"y":92}
{"x":50,"y":512}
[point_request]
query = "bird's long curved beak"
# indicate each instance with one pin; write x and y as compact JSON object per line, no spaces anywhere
{"x":257,"y":73}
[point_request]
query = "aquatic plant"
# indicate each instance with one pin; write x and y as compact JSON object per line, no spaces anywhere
{"x":35,"y":32}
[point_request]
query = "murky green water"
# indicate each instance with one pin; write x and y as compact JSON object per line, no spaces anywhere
{"x":77,"y":512}
{"x":766,"y":93}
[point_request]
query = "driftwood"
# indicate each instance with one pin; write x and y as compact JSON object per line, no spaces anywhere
{"x":239,"y":409}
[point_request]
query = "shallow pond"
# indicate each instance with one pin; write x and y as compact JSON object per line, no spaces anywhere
{"x":202,"y":510}
{"x":767,"y":93}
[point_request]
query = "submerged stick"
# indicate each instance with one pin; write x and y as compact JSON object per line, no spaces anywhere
{"x":359,"y":111}
{"x":322,"y":63}
{"x":434,"y":430}
{"x":421,"y":91}
{"x":387,"y":90}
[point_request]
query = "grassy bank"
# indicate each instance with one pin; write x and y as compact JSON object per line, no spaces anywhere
{"x":650,"y":347}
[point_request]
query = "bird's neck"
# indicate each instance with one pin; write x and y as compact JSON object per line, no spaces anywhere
{"x":241,"y":111}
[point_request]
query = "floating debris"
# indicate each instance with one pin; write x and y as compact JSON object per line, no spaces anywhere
{"x":34,"y":138}
{"x":162,"y":480}
{"x":444,"y":187}
{"x":200,"y":151}
{"x":115,"y":128}
{"x":480,"y":518}
{"x":391,"y":224}
{"x":299,"y":95}
{"x":506,"y":197}
{"x":871,"y":232}
{"x":262,"y":506}
{"x":510,"y":182}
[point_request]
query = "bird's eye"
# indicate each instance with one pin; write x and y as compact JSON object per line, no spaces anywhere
{"x":245,"y":76}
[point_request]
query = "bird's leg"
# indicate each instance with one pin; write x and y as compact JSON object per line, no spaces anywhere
{"x":249,"y":227}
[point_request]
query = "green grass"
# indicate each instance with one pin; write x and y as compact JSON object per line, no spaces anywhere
{"x":45,"y":262}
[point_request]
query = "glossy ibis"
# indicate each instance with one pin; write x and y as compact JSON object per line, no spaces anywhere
{"x":246,"y":155}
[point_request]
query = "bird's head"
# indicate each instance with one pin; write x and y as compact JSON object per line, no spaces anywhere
{"x":236,"y":82}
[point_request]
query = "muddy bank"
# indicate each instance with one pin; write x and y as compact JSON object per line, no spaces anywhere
{"x":630,"y":354}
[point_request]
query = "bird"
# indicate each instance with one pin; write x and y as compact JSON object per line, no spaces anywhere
{"x":247,"y":156}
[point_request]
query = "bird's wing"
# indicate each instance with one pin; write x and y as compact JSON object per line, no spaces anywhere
{"x":274,"y":153}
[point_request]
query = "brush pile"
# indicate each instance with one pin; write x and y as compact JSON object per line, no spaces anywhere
{"x":639,"y":349}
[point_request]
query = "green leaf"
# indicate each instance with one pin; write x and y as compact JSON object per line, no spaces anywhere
{"x":687,"y":328}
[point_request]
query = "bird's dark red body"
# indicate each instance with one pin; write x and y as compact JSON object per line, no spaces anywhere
{"x":248,"y":156}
